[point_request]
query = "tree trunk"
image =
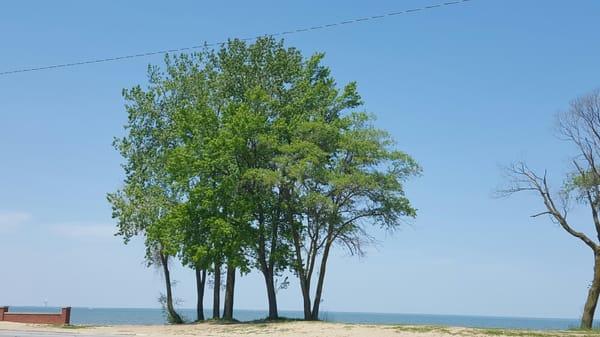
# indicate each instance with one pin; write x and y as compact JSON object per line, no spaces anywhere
{"x":229,"y":292}
{"x":304,"y":283}
{"x":173,"y":316}
{"x":589,"y":309}
{"x":200,"y":285}
{"x":305,"y":287}
{"x":270,"y":285}
{"x":320,"y":282}
{"x":271,"y":294}
{"x":217,"y":292}
{"x":267,"y":267}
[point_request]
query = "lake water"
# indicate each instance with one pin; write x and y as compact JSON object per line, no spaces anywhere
{"x":114,"y":316}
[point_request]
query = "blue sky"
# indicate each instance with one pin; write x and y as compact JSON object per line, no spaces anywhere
{"x":464,"y":89}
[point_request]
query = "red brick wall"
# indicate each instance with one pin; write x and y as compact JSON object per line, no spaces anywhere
{"x":64,"y":317}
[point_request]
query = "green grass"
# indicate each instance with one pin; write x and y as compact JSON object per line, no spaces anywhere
{"x":421,"y":328}
{"x":473,"y":332}
{"x":517,"y":333}
{"x":585,"y":332}
{"x":266,"y":320}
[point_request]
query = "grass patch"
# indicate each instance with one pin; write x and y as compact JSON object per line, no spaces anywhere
{"x":515,"y":333}
{"x":218,"y":321}
{"x":475,"y":332}
{"x":267,"y":320}
{"x":528,"y":333}
{"x":584,"y":332}
{"x":421,"y":328}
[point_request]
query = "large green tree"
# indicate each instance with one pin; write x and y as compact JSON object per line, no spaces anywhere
{"x":204,"y":161}
{"x":338,"y":173}
{"x":194,"y":164}
{"x":148,"y":202}
{"x":257,"y":83}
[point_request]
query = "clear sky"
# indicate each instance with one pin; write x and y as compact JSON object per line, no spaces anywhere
{"x":464,"y":89}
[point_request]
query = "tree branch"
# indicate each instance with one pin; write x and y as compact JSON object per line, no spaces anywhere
{"x":524,"y":179}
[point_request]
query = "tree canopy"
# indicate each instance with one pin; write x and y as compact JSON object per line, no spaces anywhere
{"x":251,"y":156}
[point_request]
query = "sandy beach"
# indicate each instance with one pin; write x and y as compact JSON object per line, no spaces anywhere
{"x":283,"y":329}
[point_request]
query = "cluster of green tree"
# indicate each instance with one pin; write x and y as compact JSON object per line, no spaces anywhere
{"x":249,"y":157}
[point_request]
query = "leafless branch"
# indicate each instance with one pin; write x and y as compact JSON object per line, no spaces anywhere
{"x":525,"y":179}
{"x":540,"y":214}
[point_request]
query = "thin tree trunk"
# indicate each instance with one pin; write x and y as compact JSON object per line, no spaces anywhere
{"x":271,"y":291}
{"x":200,"y":286}
{"x":172,"y":314}
{"x":217,"y":292}
{"x":304,"y":283}
{"x":271,"y":294}
{"x":305,"y":298}
{"x":267,"y":267}
{"x":270,"y":285}
{"x":589,"y":309}
{"x":320,"y":282}
{"x":229,"y":293}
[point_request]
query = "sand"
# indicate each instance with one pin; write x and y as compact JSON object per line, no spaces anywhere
{"x":283,"y":329}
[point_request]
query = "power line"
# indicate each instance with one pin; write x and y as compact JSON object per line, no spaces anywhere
{"x":177,"y":50}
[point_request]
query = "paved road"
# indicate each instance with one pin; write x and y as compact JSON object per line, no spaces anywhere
{"x":12,"y":333}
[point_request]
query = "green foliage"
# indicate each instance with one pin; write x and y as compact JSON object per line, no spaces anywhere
{"x":248,"y":155}
{"x":585,"y":185}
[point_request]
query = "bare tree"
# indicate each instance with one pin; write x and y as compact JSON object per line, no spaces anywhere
{"x":580,"y":125}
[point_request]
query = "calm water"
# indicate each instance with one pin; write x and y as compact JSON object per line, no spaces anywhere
{"x":105,"y":316}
